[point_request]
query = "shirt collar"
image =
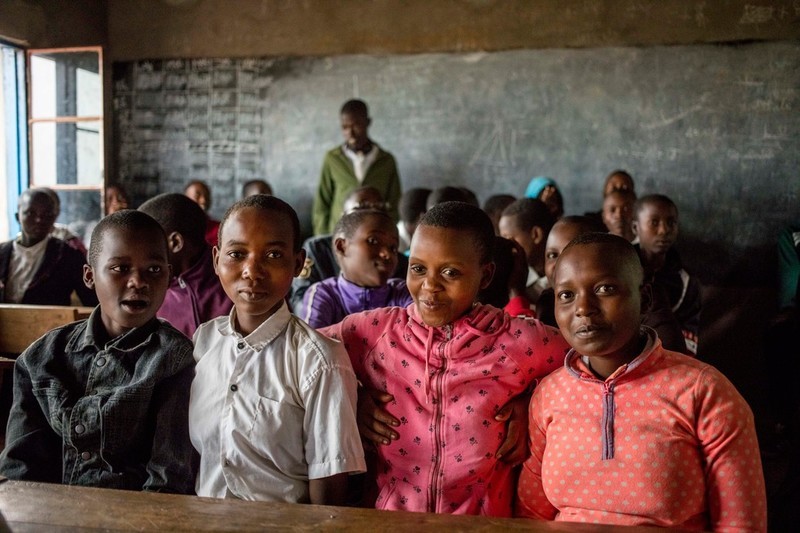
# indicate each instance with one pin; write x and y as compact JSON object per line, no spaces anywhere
{"x":268,"y":331}
{"x":127,"y":342}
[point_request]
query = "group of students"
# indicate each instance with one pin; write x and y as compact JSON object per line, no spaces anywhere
{"x":446,"y":394}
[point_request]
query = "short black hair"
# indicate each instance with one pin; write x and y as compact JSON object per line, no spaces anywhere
{"x":176,"y":212}
{"x":653,"y":199}
{"x":355,"y":107}
{"x":43,"y":192}
{"x":495,"y":204}
{"x":413,"y":204}
{"x":265,"y":202}
{"x":200,"y":183}
{"x":615,"y":245}
{"x":464,"y":217}
{"x":446,"y":194}
{"x":255,"y":183}
{"x":584,"y":224}
{"x":126,"y":219}
{"x":530,"y":213}
{"x":350,"y":222}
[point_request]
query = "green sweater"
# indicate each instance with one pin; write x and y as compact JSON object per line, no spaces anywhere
{"x":338,"y":180}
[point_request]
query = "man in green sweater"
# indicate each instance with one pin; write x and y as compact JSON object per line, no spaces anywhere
{"x":359,"y":162}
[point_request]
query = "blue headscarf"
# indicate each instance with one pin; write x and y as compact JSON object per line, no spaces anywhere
{"x":537,"y":185}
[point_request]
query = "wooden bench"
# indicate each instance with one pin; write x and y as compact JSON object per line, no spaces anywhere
{"x":20,"y":325}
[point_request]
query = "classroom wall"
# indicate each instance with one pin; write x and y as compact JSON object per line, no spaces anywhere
{"x":148,"y":29}
{"x":54,"y":23}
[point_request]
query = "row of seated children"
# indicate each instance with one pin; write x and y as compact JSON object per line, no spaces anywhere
{"x":447,"y":363}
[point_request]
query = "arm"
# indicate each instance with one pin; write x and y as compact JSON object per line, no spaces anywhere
{"x":328,"y":490}
{"x":531,"y":500}
{"x":514,"y":449}
{"x":729,"y":447}
{"x":319,"y":308}
{"x":321,"y":209}
{"x":171,"y":467}
{"x":33,"y":450}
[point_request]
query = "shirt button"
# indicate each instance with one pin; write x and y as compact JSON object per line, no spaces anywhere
{"x":227,"y":463}
{"x":240,"y":345}
{"x":101,"y":361}
{"x":234,"y":388}
{"x":79,"y":429}
{"x":86,"y":456}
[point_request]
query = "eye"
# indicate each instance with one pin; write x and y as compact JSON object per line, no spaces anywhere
{"x":235,"y":254}
{"x":552,"y":256}
{"x":565,"y":296}
{"x":372,"y":241}
{"x":450,"y":273}
{"x":417,"y":269}
{"x":155,"y":269}
{"x":119,"y":268}
{"x":274,"y":254}
{"x":606,"y":289}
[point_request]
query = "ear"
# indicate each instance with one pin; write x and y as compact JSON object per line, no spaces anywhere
{"x":635,"y":227}
{"x":340,"y":246}
{"x":88,"y":277}
{"x":646,"y":293}
{"x":369,"y":122}
{"x":175,"y":242}
{"x":299,"y":262}
{"x":215,"y":259}
{"x":487,"y":273}
{"x":537,"y":234}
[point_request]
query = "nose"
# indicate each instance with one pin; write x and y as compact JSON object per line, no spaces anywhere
{"x":385,"y":253}
{"x":252,"y":270}
{"x":430,"y":283}
{"x":585,"y":304}
{"x":135,"y":280}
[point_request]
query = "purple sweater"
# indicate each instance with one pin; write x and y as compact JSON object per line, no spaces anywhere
{"x":332,"y":299}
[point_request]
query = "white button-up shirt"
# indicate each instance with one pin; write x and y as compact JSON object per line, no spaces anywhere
{"x":271,"y":410}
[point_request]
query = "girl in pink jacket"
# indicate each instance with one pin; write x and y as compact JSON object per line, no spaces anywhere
{"x":450,"y":365}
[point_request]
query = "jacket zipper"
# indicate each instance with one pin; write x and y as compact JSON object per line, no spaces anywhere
{"x":608,"y":421}
{"x":438,"y":428}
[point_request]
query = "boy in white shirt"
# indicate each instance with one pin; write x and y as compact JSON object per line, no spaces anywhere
{"x":273,"y":402}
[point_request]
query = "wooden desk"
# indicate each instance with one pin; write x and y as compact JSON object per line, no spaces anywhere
{"x":53,"y":508}
{"x":20,"y":325}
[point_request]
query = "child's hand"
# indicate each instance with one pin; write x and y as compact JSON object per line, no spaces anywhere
{"x":514,"y":449}
{"x":374,"y":422}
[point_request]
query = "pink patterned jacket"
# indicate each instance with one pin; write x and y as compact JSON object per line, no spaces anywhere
{"x":448,"y":384}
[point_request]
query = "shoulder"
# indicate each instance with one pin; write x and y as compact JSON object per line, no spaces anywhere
{"x":55,"y":341}
{"x":207,"y":334}
{"x":308,"y":343}
{"x":173,"y":345}
{"x":333,"y":154}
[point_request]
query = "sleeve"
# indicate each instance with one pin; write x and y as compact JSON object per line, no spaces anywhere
{"x":519,"y":306}
{"x":728,"y":444}
{"x":33,"y":450}
{"x":545,"y":350}
{"x":531,"y":500}
{"x":788,"y":269}
{"x":172,"y":464}
{"x":319,"y":306}
{"x":333,"y":445}
{"x":321,"y":209}
{"x":393,"y":192}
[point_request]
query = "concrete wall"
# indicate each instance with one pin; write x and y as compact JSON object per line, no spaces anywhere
{"x":142,"y":29}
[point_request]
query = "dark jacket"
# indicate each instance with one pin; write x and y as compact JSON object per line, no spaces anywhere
{"x":60,"y":273}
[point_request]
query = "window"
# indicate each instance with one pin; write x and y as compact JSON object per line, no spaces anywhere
{"x":65,"y":120}
{"x":13,"y":136}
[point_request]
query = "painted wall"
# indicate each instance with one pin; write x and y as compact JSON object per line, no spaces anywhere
{"x":54,"y":23}
{"x":149,"y":29}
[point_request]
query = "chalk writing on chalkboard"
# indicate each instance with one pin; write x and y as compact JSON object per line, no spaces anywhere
{"x":714,"y":127}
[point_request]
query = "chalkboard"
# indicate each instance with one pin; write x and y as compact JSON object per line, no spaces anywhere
{"x":715,"y":127}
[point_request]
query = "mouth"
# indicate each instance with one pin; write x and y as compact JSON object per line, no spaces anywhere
{"x":250,"y":295}
{"x":590,"y":331}
{"x":135,"y":305}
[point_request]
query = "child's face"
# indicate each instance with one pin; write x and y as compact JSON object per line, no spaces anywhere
{"x":617,"y":182}
{"x":618,"y":214}
{"x":130,"y":277}
{"x":598,"y":304}
{"x":445,"y":274}
{"x":657,"y":227}
{"x":369,"y":257}
{"x":256,"y":263}
{"x":36,"y":216}
{"x":557,"y":240}
{"x":199,"y":194}
{"x":532,"y":241}
{"x":354,"y":130}
{"x":115,"y":200}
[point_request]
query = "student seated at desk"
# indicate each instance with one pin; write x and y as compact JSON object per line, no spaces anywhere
{"x":195,"y":294}
{"x":447,"y":366}
{"x":37,"y":268}
{"x":273,"y":405}
{"x":628,"y":433}
{"x":104,"y":402}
